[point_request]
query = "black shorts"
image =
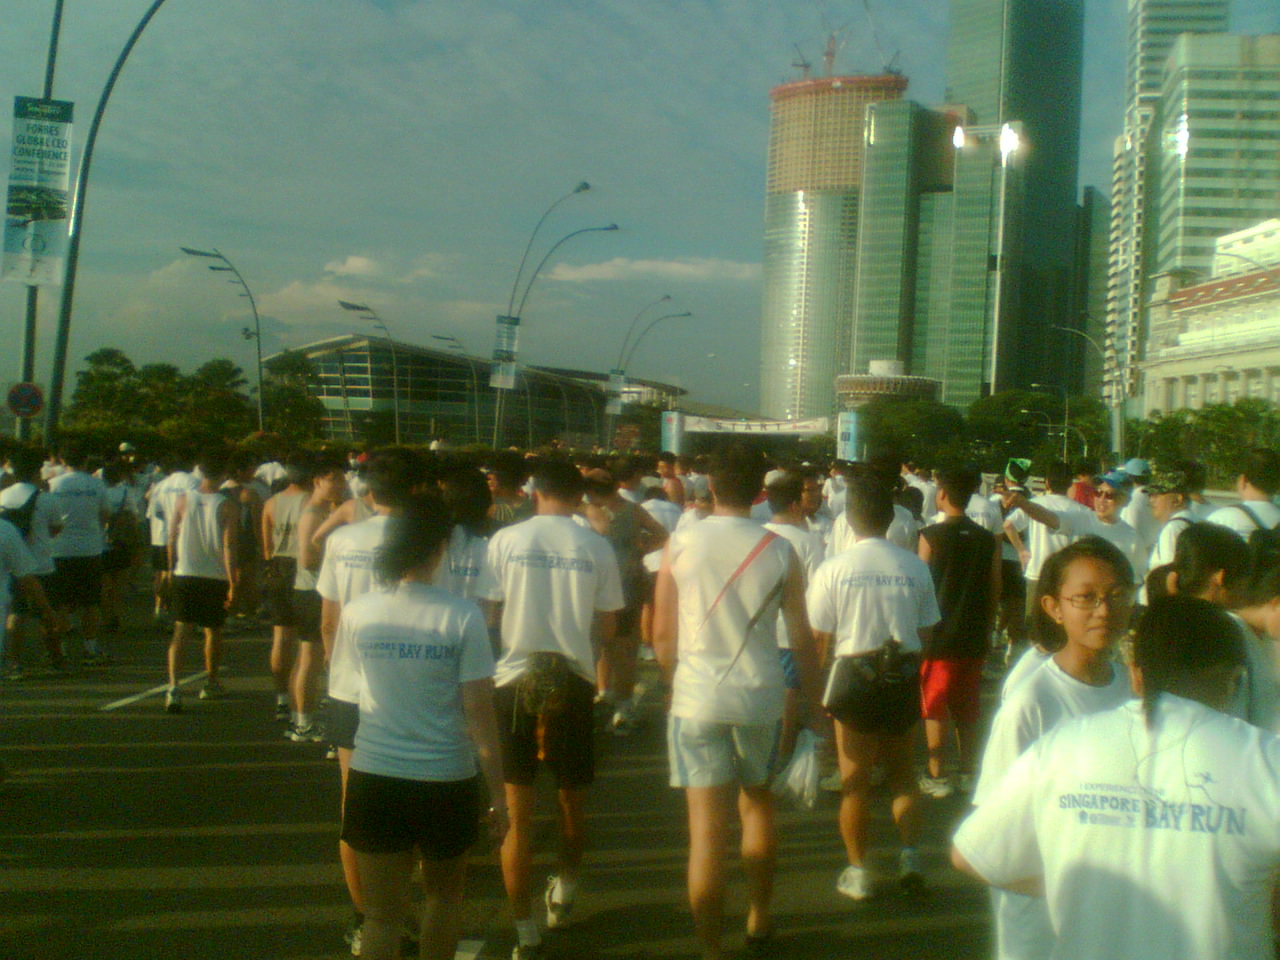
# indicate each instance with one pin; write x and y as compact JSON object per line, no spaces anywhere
{"x":22,"y":607}
{"x":306,"y":615}
{"x":117,"y":557}
{"x":568,"y":741}
{"x":160,"y":559}
{"x":201,"y":601}
{"x":277,"y":590}
{"x":76,"y":582}
{"x":892,"y":709}
{"x":1012,"y":583}
{"x":391,"y":815}
{"x":342,"y":719}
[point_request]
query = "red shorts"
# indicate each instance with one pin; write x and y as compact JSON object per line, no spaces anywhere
{"x":951,"y":686}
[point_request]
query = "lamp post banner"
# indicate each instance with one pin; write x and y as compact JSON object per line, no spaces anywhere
{"x":673,"y":431}
{"x":617,"y":380}
{"x":36,"y":208}
{"x":847,"y":436}
{"x":502,"y":375}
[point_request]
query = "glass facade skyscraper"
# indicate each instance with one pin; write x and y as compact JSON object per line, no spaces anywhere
{"x":816,"y":146}
{"x":1153,"y":27}
{"x":1217,"y":163}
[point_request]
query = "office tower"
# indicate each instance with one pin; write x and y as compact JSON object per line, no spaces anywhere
{"x":1094,"y":237}
{"x":1154,"y":25}
{"x":1217,"y":163}
{"x":811,"y":215}
{"x":1021,"y":61}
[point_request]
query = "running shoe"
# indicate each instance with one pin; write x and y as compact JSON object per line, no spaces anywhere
{"x":910,"y":876}
{"x":557,"y":910}
{"x":331,"y":753}
{"x":282,"y":711}
{"x":311,"y":733}
{"x":854,"y":883}
{"x":212,"y":690}
{"x":936,"y":787}
{"x":624,"y":722}
{"x":355,"y":934}
{"x":173,"y":701}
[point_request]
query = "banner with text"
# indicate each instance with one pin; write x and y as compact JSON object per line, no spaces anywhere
{"x":847,"y":436}
{"x":617,"y":381}
{"x":811,"y":427}
{"x":502,"y":375}
{"x":38,"y":201}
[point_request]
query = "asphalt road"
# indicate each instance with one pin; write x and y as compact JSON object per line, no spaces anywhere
{"x":129,"y":834}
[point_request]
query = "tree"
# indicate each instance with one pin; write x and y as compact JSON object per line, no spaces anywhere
{"x":922,"y":430}
{"x":291,"y":411}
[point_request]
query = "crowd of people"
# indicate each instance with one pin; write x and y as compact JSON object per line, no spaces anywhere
{"x":449,"y":624}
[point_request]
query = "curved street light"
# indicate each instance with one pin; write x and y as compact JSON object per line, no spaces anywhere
{"x":665,"y":298}
{"x":582,"y":187}
{"x":75,"y":221}
{"x":256,"y":333}
{"x":626,"y":361}
{"x":1116,"y":418}
{"x":1066,"y":410}
{"x":456,"y":344}
{"x":367,"y":313}
{"x":607,"y":228}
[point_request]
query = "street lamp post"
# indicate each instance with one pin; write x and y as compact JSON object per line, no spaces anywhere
{"x":456,"y":344}
{"x":617,"y":375}
{"x":256,"y":333}
{"x":1115,"y":407}
{"x":75,"y":221}
{"x":1066,"y":410}
{"x":626,"y":360}
{"x":519,"y":308}
{"x":367,"y":313}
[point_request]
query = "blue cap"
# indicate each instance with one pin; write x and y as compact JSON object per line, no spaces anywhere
{"x":1115,"y":478}
{"x":1137,"y":467}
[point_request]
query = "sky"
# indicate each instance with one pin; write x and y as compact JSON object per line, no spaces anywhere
{"x":398,"y":153}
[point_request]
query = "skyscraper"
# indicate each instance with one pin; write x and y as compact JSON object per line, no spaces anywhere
{"x":1215,"y":145}
{"x":816,"y":146}
{"x":1154,"y":25}
{"x":1022,"y":60}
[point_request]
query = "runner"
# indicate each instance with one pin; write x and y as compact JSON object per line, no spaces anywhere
{"x":25,"y":505}
{"x":81,"y":502}
{"x":555,"y":578}
{"x":280,"y":516}
{"x":722,"y":586}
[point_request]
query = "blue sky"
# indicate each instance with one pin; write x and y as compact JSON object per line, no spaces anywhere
{"x":398,"y":152}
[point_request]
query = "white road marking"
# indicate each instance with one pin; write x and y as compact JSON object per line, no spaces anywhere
{"x":468,"y":949}
{"x":152,"y":692}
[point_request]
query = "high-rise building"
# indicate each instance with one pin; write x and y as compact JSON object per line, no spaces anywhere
{"x":816,"y":146}
{"x":1215,"y":145}
{"x":1022,"y":61}
{"x":1154,"y":25}
{"x":1094,"y":237}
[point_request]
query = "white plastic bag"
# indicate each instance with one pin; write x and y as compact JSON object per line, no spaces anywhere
{"x":799,"y":780}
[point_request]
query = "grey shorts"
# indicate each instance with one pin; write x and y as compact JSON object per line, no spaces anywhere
{"x":707,"y":754}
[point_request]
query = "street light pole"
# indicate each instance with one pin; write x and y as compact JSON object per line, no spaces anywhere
{"x":626,"y":360}
{"x":456,"y":344}
{"x":369,"y":314}
{"x":79,"y":201}
{"x":1116,"y":409}
{"x":256,"y":334}
{"x":1066,"y":410}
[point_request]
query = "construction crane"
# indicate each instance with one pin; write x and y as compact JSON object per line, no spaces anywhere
{"x":889,"y":64}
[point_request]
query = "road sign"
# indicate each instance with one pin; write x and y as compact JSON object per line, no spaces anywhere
{"x":25,"y":400}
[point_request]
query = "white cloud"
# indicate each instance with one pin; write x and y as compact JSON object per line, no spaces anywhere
{"x":695,"y":269}
{"x":353,"y":266}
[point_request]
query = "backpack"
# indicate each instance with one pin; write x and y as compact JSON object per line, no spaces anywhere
{"x":1264,"y":542}
{"x":22,"y":517}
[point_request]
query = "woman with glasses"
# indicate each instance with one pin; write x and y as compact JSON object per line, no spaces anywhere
{"x":1082,"y":609}
{"x":1150,"y":830}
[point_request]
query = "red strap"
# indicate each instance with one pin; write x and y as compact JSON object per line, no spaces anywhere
{"x":768,"y":538}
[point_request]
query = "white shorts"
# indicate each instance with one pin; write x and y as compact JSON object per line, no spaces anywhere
{"x":707,"y":754}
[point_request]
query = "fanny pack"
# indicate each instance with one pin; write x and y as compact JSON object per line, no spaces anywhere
{"x":862,"y":675}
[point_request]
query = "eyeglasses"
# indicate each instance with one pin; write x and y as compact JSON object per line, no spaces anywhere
{"x":1092,"y":601}
{"x":1107,"y":495}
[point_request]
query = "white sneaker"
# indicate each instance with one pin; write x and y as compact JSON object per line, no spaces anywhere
{"x":854,"y":883}
{"x":936,"y":787}
{"x":557,"y":910}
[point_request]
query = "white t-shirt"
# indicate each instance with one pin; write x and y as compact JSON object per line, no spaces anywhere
{"x":811,"y":551}
{"x":1045,"y":698}
{"x":465,"y":570}
{"x":870,"y":593}
{"x":1124,"y":537}
{"x":835,"y":491}
{"x":1155,"y":841}
{"x":1257,"y":699}
{"x":903,"y":532}
{"x":346,"y":573}
{"x":1167,"y":541}
{"x":269,"y":473}
{"x":15,"y":562}
{"x":81,"y":501}
{"x":1032,"y":659}
{"x":665,"y":512}
{"x":39,"y":541}
{"x":1236,"y":519}
{"x":1137,"y":514}
{"x":163,"y":504}
{"x":415,"y":645}
{"x":725,"y":674}
{"x":985,"y":513}
{"x":552,"y":576}
{"x":199,"y":548}
{"x":690,"y":516}
{"x":1041,"y":542}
